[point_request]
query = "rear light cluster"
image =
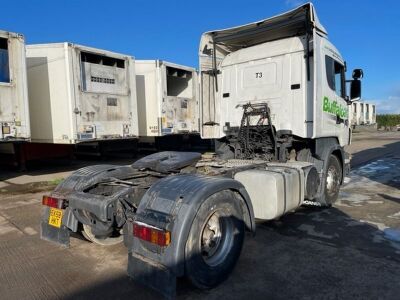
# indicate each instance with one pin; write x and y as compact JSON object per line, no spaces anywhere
{"x":151,"y":234}
{"x":53,"y":202}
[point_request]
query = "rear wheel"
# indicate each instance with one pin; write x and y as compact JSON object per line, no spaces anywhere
{"x":114,"y":239}
{"x":332,"y":181}
{"x":215,"y":240}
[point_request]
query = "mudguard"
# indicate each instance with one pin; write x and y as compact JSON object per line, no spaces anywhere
{"x":88,"y":176}
{"x":70,"y":189}
{"x":172,"y":204}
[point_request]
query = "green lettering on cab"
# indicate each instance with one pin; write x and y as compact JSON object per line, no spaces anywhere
{"x":333,"y":108}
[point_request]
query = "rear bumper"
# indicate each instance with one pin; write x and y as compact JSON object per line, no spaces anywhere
{"x":100,"y":216}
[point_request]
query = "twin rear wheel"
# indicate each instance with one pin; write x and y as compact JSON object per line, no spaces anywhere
{"x":215,"y":240}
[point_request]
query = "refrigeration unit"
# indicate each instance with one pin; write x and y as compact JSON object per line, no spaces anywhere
{"x":79,"y":94}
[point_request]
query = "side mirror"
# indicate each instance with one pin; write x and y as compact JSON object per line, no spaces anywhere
{"x":357,"y":74}
{"x":355,"y":85}
{"x":355,"y":90}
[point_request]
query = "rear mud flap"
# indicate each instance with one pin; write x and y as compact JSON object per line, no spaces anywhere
{"x":152,"y":275}
{"x":53,"y":234}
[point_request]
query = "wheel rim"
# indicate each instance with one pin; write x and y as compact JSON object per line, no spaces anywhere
{"x":216,"y":239}
{"x":332,"y":181}
{"x":108,"y":241}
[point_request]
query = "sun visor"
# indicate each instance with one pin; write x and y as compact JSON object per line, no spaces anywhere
{"x":296,"y":22}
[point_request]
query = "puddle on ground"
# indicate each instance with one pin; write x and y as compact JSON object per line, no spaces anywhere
{"x":365,"y":182}
{"x":392,"y":234}
{"x":373,"y":167}
{"x":382,"y":170}
{"x":352,"y":199}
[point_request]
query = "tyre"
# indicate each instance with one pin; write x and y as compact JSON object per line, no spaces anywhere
{"x":108,"y":241}
{"x":215,"y":240}
{"x":332,"y":183}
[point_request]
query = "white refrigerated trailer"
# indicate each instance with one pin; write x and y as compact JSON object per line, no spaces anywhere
{"x":14,"y":112}
{"x":167,"y":98}
{"x":80,"y":94}
{"x":361,"y":113}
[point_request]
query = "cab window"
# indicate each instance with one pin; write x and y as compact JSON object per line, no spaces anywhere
{"x":335,"y":76}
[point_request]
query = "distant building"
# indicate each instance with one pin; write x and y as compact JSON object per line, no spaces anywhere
{"x":361,"y":113}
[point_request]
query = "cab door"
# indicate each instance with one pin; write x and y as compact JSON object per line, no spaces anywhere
{"x":334,"y":106}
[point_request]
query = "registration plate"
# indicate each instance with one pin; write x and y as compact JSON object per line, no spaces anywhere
{"x":55,"y":217}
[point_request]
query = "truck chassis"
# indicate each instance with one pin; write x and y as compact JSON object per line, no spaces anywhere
{"x":183,"y":213}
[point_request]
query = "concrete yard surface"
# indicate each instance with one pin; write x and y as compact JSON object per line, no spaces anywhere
{"x":350,"y":251}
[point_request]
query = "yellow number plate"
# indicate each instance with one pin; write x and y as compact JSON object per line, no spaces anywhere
{"x":55,"y":217}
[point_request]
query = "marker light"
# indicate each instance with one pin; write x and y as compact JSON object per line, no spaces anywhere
{"x":151,"y":234}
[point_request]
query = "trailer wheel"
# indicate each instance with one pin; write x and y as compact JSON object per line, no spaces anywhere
{"x":108,"y":241}
{"x":332,"y":181}
{"x":215,"y":240}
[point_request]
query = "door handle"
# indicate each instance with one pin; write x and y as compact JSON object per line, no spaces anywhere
{"x":339,"y":120}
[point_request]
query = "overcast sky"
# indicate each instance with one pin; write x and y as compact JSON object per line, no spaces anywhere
{"x":367,"y":33}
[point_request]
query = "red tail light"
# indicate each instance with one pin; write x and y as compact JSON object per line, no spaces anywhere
{"x":151,"y":234}
{"x":53,"y":202}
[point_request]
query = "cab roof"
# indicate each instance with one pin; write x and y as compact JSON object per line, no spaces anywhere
{"x":292,"y":23}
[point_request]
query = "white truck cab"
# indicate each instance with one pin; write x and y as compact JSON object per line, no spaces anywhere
{"x":287,"y":65}
{"x":287,"y":62}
